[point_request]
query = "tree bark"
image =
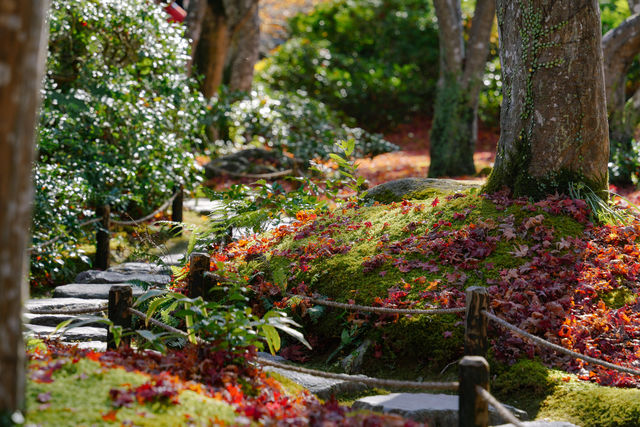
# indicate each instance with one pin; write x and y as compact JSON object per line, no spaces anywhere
{"x":454,"y":133}
{"x":554,"y":129}
{"x":22,"y":53}
{"x":211,"y":50}
{"x":620,"y":46}
{"x":225,"y":36}
{"x":245,"y":51}
{"x":634,"y":6}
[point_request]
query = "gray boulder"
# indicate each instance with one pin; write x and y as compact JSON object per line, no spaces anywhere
{"x":417,"y":188}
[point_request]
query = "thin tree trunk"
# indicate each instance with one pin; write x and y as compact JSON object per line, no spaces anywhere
{"x":211,"y":50}
{"x":620,"y":46}
{"x":553,"y":121}
{"x":634,"y":6}
{"x":454,"y":132}
{"x":22,"y":53}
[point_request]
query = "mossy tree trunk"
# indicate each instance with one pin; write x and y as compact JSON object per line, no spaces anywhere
{"x":554,"y":128}
{"x":22,"y":54}
{"x":225,"y":42}
{"x":454,"y":133}
{"x":620,"y":46}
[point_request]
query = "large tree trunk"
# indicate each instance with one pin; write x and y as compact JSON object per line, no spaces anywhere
{"x":620,"y":46}
{"x":553,"y":121}
{"x":22,"y":53}
{"x":224,"y":32}
{"x":454,"y":133}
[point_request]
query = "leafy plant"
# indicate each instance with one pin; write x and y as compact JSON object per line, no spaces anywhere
{"x":229,"y":326}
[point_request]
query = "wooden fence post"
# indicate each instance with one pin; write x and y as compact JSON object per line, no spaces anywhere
{"x":473,"y":410}
{"x":198,"y":265}
{"x":176,"y":210}
{"x":120,"y":299}
{"x":101,"y":261}
{"x":475,"y":331}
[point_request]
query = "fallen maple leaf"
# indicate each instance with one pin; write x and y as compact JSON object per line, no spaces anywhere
{"x":435,"y":202}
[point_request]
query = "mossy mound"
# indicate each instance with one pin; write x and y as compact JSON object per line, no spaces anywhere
{"x":548,"y":268}
{"x":416,"y":189}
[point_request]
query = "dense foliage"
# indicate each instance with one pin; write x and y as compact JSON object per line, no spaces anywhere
{"x":119,"y":115}
{"x":361,"y":57}
{"x":291,"y":123}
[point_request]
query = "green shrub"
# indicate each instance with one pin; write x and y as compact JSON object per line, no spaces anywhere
{"x":289,"y":122}
{"x":361,"y":57}
{"x":119,"y":115}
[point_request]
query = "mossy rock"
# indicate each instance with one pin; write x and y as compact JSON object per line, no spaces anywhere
{"x":417,"y":189}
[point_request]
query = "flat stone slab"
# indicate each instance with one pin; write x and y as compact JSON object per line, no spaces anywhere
{"x":90,"y":291}
{"x":97,"y":276}
{"x":202,"y":206}
{"x":173,"y":259}
{"x":321,"y":387}
{"x":64,"y":304}
{"x":437,"y":410}
{"x":83,"y":333}
{"x":55,"y":319}
{"x":140,"y":268}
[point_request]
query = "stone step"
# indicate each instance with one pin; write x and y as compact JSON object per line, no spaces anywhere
{"x":90,"y":291}
{"x":321,"y":387}
{"x":64,"y":304}
{"x":83,"y":333}
{"x":115,"y":277}
{"x":55,"y":319}
{"x":437,"y":410}
{"x":140,"y":268}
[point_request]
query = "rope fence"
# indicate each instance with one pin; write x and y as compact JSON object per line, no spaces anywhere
{"x":544,"y":343}
{"x":499,"y":407}
{"x":139,"y":221}
{"x":474,"y":370}
{"x":375,"y":382}
{"x":384,"y":310}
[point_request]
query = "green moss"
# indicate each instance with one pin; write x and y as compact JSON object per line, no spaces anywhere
{"x":590,"y":405}
{"x":619,"y":297}
{"x":80,"y":396}
{"x":525,"y":384}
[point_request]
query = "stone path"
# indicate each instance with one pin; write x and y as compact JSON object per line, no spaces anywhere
{"x":90,"y":290}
